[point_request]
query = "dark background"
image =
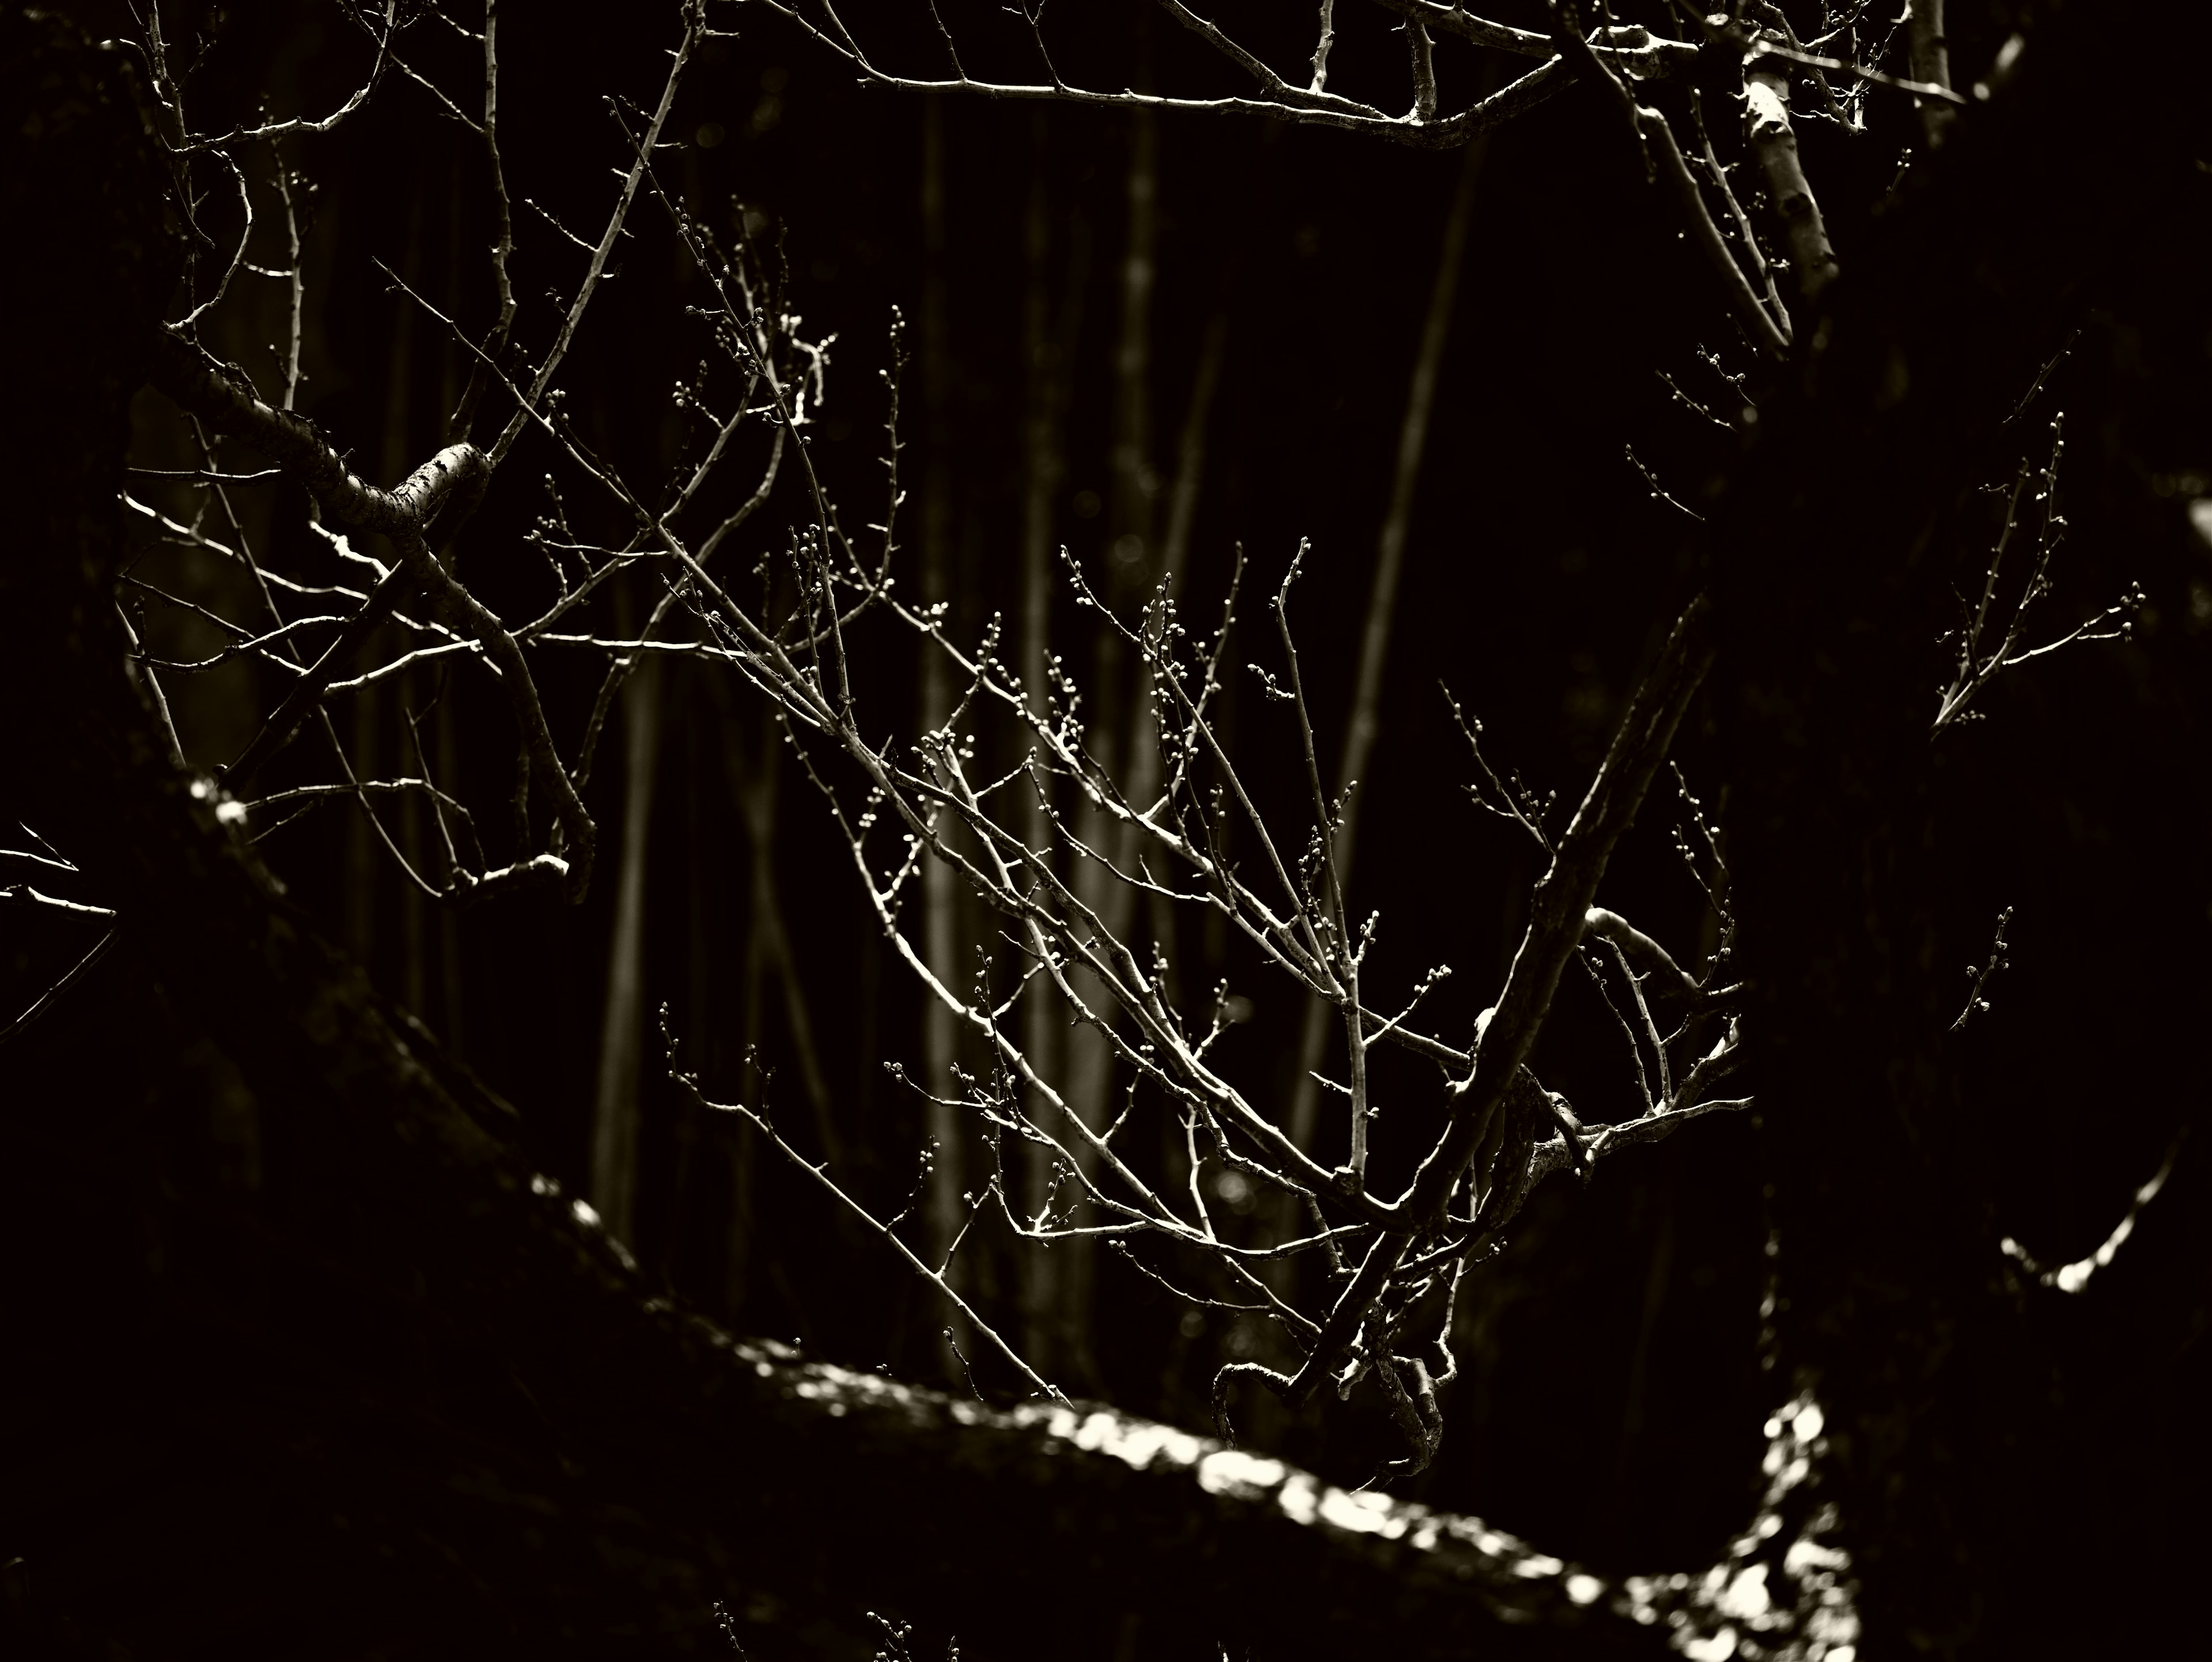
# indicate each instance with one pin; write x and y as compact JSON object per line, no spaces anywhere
{"x":1616,"y":1367}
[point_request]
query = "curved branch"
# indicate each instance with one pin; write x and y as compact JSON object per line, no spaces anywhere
{"x":225,"y":402}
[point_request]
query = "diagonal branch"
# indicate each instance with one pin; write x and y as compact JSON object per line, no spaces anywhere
{"x":450,"y":479}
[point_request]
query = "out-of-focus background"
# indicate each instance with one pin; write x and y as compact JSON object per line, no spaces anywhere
{"x":1617,"y":1362}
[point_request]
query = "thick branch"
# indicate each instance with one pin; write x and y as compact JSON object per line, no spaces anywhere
{"x":220,"y":396}
{"x":1560,"y":905}
{"x":1931,"y":67}
{"x":455,"y":478}
{"x":1774,"y":141}
{"x":1558,"y":913}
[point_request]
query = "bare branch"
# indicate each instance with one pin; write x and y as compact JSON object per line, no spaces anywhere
{"x":1281,"y":101}
{"x":821,"y":1175}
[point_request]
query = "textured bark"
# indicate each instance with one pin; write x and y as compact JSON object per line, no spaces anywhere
{"x":1833,"y":557}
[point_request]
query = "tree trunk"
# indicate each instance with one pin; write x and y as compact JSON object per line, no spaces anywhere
{"x":940,"y":883}
{"x":615,"y":1113}
{"x":1833,"y":567}
{"x":1119,"y":731}
{"x":1043,"y":464}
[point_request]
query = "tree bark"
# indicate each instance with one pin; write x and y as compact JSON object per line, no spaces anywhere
{"x":1832,"y":571}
